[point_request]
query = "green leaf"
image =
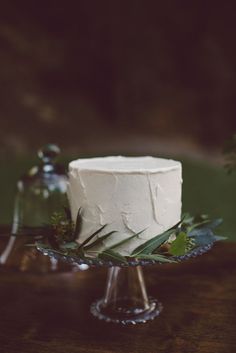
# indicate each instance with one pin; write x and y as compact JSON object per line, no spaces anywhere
{"x":99,"y":240}
{"x":214,"y":223}
{"x":187,"y":218}
{"x":111,"y":255}
{"x":178,"y":246}
{"x":91,"y":237}
{"x":156,"y":257}
{"x":200,"y":232}
{"x":207,"y":223}
{"x":219,"y":237}
{"x":78,"y":224}
{"x":202,"y":236}
{"x":126,"y":240}
{"x":197,"y":225}
{"x":149,"y":246}
{"x":70,"y":245}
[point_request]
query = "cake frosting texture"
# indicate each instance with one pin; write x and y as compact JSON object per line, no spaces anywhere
{"x":128,"y":194}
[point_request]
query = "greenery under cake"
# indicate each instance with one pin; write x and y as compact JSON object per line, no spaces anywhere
{"x":62,"y":236}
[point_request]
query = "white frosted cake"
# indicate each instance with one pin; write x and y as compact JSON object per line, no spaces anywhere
{"x":129,"y":194}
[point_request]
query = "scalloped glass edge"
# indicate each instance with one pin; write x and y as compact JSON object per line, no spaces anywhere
{"x":200,"y":250}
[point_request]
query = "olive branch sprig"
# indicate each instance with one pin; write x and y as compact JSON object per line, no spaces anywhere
{"x":63,"y":236}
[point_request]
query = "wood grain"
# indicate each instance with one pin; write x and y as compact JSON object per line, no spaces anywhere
{"x":50,"y":313}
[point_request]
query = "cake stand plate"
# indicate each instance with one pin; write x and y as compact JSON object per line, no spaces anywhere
{"x":125,"y":300}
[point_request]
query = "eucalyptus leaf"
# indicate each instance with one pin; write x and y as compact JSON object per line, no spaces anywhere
{"x":113,"y":256}
{"x":198,"y":225}
{"x":187,"y":218}
{"x":178,"y":246}
{"x":207,"y":223}
{"x":149,"y":246}
{"x":202,"y":236}
{"x":219,"y":237}
{"x":199,"y":232}
{"x":214,"y":223}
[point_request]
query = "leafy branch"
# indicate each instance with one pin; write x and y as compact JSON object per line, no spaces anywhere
{"x":63,"y":236}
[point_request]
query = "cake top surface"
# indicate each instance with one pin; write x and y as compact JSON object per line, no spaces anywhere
{"x":121,"y":164}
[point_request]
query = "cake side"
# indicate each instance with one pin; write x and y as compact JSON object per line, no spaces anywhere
{"x":128,"y":200}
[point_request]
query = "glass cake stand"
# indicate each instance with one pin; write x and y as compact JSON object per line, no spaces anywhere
{"x":125,"y":300}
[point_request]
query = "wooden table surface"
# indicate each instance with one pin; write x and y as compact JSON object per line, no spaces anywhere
{"x":50,"y":313}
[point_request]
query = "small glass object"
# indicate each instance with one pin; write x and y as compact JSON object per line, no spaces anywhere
{"x":40,"y":193}
{"x":125,"y":300}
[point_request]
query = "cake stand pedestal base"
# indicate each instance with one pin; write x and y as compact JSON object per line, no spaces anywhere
{"x":126,"y":300}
